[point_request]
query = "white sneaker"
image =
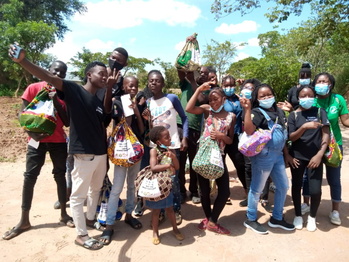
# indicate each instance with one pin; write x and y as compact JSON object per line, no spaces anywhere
{"x":334,"y":217}
{"x":298,"y":222}
{"x":311,"y":224}
{"x":305,"y":208}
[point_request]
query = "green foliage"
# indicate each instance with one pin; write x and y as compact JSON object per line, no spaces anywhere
{"x":53,"y":12}
{"x":220,"y":55}
{"x":34,"y":25}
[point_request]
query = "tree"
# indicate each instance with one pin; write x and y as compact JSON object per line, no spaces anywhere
{"x":220,"y":55}
{"x":332,"y":10}
{"x":244,"y":68}
{"x":53,"y":12}
{"x":35,"y":37}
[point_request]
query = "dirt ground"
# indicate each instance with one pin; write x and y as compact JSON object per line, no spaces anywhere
{"x":50,"y":241}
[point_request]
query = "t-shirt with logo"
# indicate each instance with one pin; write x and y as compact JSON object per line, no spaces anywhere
{"x":335,"y":106}
{"x":164,"y":113}
{"x":309,"y":144}
{"x":87,"y":132}
{"x":58,"y":135}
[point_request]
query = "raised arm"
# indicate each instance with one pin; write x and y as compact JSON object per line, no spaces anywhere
{"x":35,"y":70}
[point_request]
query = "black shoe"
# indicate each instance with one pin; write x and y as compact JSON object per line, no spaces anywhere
{"x":243,"y":203}
{"x":280,"y":224}
{"x":256,"y":227}
{"x":267,"y":206}
{"x":139,"y":208}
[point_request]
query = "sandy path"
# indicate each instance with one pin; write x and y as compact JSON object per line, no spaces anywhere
{"x":50,"y":241}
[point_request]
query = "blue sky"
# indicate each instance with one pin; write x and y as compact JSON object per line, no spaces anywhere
{"x":158,"y":28}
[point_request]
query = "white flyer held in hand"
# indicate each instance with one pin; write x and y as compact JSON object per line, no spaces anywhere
{"x":126,"y":102}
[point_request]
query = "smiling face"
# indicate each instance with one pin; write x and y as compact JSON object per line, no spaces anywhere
{"x":155,"y":83}
{"x":215,"y":100}
{"x":58,"y":69}
{"x":164,"y":138}
{"x":130,"y":86}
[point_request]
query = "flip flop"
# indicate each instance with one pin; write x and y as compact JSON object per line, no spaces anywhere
{"x":68,"y":221}
{"x":106,"y":235}
{"x":134,"y":223}
{"x":14,"y":232}
{"x":91,"y":244}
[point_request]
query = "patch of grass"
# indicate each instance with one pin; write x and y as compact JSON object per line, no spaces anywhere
{"x":7,"y":159}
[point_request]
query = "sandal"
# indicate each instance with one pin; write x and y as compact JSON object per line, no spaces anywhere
{"x":228,"y":202}
{"x":68,"y":221}
{"x":203,"y":224}
{"x":218,"y":229}
{"x":134,"y":223}
{"x":105,"y":238}
{"x":14,"y":232}
{"x":91,"y":244}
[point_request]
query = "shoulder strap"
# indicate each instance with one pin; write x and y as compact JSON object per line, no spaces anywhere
{"x":265,"y":114}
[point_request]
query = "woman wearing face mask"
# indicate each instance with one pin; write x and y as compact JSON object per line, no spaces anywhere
{"x":308,"y":129}
{"x":304,"y":78}
{"x":232,"y":104}
{"x":261,"y":112}
{"x":336,"y":108}
{"x":219,"y":125}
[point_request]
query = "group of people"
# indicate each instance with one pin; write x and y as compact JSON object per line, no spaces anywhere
{"x":171,"y":130}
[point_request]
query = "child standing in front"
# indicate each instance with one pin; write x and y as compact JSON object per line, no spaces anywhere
{"x":135,"y":121}
{"x":308,"y":129}
{"x":162,"y":159}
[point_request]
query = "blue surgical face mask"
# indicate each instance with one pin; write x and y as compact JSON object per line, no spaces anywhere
{"x":163,"y":146}
{"x":229,"y":91}
{"x":218,"y":110}
{"x":306,"y":102}
{"x":304,"y":81}
{"x":246,"y":93}
{"x":267,"y":103}
{"x":322,"y":89}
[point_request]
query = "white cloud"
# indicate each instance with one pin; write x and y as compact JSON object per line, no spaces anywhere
{"x":68,"y":48}
{"x":125,"y":14}
{"x":244,"y":27}
{"x":179,"y":46}
{"x":241,"y":56}
{"x":253,"y":41}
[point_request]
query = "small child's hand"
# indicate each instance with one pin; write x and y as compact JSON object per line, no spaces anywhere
{"x":312,"y":125}
{"x":146,"y":114}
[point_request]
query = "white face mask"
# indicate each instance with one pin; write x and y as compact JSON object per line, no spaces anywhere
{"x":267,"y":103}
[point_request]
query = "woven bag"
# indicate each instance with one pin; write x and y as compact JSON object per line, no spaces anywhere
{"x":163,"y":178}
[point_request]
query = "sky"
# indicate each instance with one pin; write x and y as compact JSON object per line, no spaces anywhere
{"x":158,"y":28}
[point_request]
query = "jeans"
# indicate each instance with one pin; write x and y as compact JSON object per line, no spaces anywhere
{"x":118,"y":184}
{"x":35,"y":159}
{"x":333,"y":175}
{"x":175,"y":190}
{"x":268,"y":162}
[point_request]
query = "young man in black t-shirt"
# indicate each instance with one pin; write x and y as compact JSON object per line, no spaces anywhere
{"x":87,"y":136}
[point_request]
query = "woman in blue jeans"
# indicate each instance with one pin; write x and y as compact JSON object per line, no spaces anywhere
{"x":261,"y":112}
{"x":336,"y":108}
